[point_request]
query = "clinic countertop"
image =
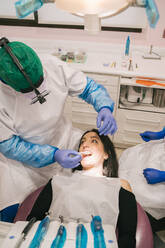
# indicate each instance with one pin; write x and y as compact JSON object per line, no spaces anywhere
{"x":119,"y":65}
{"x":108,"y":58}
{"x":101,"y":57}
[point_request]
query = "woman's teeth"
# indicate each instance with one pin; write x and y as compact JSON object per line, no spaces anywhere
{"x":85,"y":154}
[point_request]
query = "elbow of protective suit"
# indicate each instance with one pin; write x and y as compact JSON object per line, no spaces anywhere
{"x":96,"y":95}
{"x":163,"y":133}
{"x":159,"y":135}
{"x":26,"y":152}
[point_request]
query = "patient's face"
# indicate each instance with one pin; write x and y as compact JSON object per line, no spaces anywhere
{"x":95,"y":155}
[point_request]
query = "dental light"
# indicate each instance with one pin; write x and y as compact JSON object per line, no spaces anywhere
{"x":94,"y":10}
{"x":91,"y":10}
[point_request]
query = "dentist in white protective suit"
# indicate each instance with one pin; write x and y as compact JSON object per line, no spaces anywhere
{"x":143,"y":166}
{"x":34,"y":133}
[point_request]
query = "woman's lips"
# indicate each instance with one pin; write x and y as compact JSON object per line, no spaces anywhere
{"x":85,"y":154}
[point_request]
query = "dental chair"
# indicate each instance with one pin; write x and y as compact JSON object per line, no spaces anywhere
{"x":144,"y":235}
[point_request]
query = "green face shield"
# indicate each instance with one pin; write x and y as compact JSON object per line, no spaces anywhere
{"x":10,"y":73}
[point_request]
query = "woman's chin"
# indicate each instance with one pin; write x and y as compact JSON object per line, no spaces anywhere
{"x":87,"y":166}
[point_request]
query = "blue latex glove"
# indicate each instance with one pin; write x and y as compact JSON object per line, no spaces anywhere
{"x":148,"y":135}
{"x":67,"y":158}
{"x":154,"y":176}
{"x":106,"y":123}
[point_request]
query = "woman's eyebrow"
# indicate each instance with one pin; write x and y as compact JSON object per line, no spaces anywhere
{"x":91,"y":137}
{"x":96,"y":137}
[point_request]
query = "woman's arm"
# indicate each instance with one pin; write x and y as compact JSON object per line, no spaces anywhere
{"x":127,"y":220}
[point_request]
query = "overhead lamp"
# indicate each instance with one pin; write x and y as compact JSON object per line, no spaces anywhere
{"x":91,"y":10}
{"x":94,"y":10}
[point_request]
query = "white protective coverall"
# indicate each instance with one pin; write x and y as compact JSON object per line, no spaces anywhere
{"x":131,"y":164}
{"x":37,"y":123}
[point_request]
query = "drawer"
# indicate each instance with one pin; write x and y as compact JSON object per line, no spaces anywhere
{"x":79,"y":105}
{"x":139,"y":121}
{"x":84,"y":117}
{"x":105,"y":80}
{"x":131,"y":123}
{"x":127,"y":138}
{"x":83,"y":126}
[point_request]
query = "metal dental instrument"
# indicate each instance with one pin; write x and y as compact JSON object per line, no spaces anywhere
{"x":98,"y":232}
{"x":60,"y":238}
{"x":25,"y":232}
{"x":130,"y":67}
{"x":151,"y":54}
{"x":40,"y":233}
{"x":81,"y":153}
{"x":81,"y":236}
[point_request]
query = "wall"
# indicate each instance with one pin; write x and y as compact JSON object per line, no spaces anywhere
{"x":147,"y":37}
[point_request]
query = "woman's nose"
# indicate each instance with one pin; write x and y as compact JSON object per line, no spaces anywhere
{"x":85,"y":145}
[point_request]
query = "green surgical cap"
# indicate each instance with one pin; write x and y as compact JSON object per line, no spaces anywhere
{"x":9,"y":72}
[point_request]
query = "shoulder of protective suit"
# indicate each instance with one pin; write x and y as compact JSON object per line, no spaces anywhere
{"x":49,"y":59}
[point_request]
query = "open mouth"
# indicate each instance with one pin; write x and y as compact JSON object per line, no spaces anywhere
{"x":85,"y":154}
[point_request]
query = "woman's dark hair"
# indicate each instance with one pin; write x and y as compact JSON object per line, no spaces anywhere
{"x":110,"y":165}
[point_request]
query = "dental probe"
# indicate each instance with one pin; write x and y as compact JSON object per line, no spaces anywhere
{"x":25,"y":232}
{"x":98,"y":232}
{"x":40,"y":233}
{"x":81,"y":236}
{"x":60,"y":238}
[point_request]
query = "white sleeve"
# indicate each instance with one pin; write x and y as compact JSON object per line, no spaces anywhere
{"x":76,"y":80}
{"x":64,"y":75}
{"x":7,"y":110}
{"x":5,"y":131}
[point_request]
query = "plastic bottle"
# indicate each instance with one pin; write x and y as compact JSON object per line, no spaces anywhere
{"x":127,"y":46}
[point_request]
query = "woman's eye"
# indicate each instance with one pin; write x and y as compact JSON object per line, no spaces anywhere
{"x":82,"y":141}
{"x":94,"y":141}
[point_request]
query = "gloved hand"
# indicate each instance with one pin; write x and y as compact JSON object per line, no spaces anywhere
{"x":148,"y":135}
{"x":67,"y":158}
{"x":154,"y":176}
{"x":109,"y":124}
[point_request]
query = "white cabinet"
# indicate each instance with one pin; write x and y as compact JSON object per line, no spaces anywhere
{"x":131,"y":123}
{"x":139,"y":109}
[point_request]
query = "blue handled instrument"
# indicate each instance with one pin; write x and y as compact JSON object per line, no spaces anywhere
{"x":40,"y":233}
{"x":60,"y":238}
{"x":98,"y":232}
{"x":81,"y":236}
